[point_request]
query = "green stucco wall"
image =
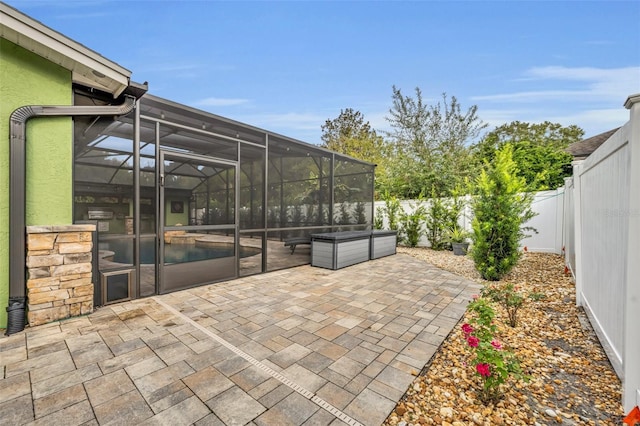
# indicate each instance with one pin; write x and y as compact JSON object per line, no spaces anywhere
{"x":172,"y":219}
{"x":28,"y":79}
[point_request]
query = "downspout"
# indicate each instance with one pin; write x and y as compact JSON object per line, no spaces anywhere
{"x":17,"y":193}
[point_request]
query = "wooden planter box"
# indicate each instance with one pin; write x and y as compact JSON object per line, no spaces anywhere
{"x":383,"y":243}
{"x":335,"y":250}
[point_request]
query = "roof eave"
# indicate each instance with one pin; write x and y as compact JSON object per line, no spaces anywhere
{"x":87,"y":66}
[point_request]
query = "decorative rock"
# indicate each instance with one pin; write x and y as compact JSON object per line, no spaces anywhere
{"x":75,"y":283}
{"x":47,"y":282}
{"x":74,"y":237}
{"x":84,"y":290}
{"x":477,"y":419}
{"x":75,"y":276}
{"x":47,"y":296}
{"x":86,"y":307}
{"x":41,"y":241}
{"x":79,"y":299}
{"x":41,"y":272}
{"x":446,"y":412}
{"x":77,"y":258}
{"x":77,"y":268}
{"x":44,"y":316}
{"x":47,"y":260}
{"x":74,"y":248}
{"x":549,"y":412}
{"x":60,"y":270}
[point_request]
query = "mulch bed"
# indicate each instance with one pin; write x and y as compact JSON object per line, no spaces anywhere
{"x":571,"y":379}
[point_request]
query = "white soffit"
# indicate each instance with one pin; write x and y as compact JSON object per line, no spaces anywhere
{"x":88,"y":67}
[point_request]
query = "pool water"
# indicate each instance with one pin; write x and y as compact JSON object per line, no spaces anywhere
{"x":173,"y":253}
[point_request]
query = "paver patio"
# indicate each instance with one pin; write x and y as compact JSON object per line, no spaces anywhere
{"x":300,"y":346}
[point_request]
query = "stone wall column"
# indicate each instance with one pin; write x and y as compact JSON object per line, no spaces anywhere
{"x":59,"y":272}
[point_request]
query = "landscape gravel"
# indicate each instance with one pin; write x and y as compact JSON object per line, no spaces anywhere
{"x":571,"y":381}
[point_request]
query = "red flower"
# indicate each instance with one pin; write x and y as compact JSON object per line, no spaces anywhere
{"x":496,"y":344}
{"x":473,"y":341}
{"x":467,"y":329}
{"x":483,"y":369}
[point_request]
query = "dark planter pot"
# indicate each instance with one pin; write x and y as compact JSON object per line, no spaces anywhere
{"x":460,"y":249}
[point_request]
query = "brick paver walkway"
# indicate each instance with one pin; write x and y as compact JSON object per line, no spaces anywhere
{"x":303,"y":346}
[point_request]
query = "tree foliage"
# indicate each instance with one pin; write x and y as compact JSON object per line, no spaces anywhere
{"x":538,"y":151}
{"x":430,"y":144}
{"x":349,"y":134}
{"x":501,"y":208}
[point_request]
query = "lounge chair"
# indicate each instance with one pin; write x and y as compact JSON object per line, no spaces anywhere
{"x":293,"y":242}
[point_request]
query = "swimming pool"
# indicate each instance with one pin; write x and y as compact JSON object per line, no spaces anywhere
{"x":173,"y":253}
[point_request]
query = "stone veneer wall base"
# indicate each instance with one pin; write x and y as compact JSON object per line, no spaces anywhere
{"x":59,"y":269}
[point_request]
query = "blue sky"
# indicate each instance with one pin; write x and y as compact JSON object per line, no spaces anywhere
{"x":289,"y":66}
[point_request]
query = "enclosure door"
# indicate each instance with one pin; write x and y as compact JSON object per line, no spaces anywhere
{"x":197,"y":228}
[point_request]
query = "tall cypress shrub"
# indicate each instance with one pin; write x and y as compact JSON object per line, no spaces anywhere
{"x":436,"y":217}
{"x":501,"y":207}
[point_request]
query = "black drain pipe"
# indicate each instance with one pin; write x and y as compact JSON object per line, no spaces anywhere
{"x":17,"y":193}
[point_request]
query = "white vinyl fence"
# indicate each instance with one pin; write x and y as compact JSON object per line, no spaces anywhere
{"x":595,"y":221}
{"x":549,"y":219}
{"x":604,"y":253}
{"x":568,"y":234}
{"x":548,"y":205}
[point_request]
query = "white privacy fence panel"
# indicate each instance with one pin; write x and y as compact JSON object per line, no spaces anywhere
{"x":568,"y":222}
{"x":409,"y":206}
{"x":605,"y":196}
{"x":548,"y":206}
{"x":604,"y":202}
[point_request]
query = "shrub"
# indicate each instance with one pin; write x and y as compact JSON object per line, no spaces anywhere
{"x":437,"y":221}
{"x":492,"y":362}
{"x":442,"y":218}
{"x":360,"y":213}
{"x":392,"y":210}
{"x":344,"y":217}
{"x":378,"y":220}
{"x":454,"y":208}
{"x":412,"y":224}
{"x":296,"y":217}
{"x":511,"y":299}
{"x":501,"y":207}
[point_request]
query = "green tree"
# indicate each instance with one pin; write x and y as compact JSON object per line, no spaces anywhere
{"x":430,"y":143}
{"x":501,"y":207}
{"x":351,"y":135}
{"x":538,"y":151}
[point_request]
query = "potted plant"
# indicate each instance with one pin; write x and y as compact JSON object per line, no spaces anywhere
{"x":457,"y":237}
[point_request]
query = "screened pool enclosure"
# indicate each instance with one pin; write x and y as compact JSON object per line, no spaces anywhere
{"x":182,"y":197}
